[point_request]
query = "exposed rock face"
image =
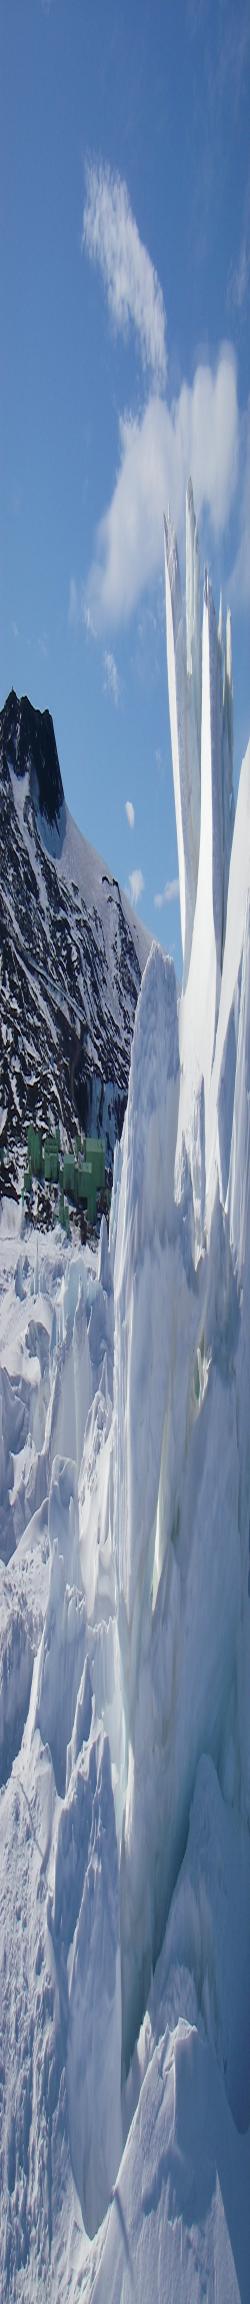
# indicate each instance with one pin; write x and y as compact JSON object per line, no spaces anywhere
{"x":28,"y":739}
{"x":71,"y":952}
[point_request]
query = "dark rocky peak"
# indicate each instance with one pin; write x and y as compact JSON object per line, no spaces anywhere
{"x":28,"y":742}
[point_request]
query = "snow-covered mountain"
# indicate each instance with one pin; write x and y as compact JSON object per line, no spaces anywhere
{"x":72,"y":953}
{"x":125,"y":1621}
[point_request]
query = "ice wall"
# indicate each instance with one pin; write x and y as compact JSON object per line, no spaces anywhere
{"x":175,"y":1527}
{"x":201,"y":713}
{"x":181,"y":1465}
{"x":200,"y":686}
{"x":142,"y":1259}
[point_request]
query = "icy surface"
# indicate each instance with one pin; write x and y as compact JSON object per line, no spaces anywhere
{"x":125,"y":1620}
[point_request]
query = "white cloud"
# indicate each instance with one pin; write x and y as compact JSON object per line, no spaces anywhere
{"x":198,"y":434}
{"x":130,"y":813}
{"x":169,"y":893}
{"x":135,"y":886}
{"x":111,"y":682}
{"x":111,"y":239}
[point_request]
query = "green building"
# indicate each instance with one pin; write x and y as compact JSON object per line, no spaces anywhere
{"x":77,"y":1178}
{"x":81,"y":1174}
{"x":51,"y":1158}
{"x":35,"y":1150}
{"x":95,"y":1152}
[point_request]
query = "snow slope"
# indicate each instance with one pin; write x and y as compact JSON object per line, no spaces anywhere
{"x":125,"y":1623}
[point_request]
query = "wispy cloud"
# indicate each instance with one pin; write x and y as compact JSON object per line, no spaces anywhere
{"x":239,"y":276}
{"x":43,"y":643}
{"x":160,"y":762}
{"x":111,"y":239}
{"x":135,"y":886}
{"x":226,"y":56}
{"x":233,"y":50}
{"x":239,"y":583}
{"x":79,"y":611}
{"x":74,"y":607}
{"x":196,"y":13}
{"x":168,"y":895}
{"x":86,"y":618}
{"x":111,"y":683}
{"x":130,"y":813}
{"x":199,"y":433}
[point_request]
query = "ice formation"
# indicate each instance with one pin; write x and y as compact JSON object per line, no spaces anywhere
{"x":125,"y":1621}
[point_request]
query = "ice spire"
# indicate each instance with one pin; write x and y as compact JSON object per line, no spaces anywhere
{"x":228,"y":694}
{"x":193,"y":625}
{"x":186,"y":707}
{"x":184,"y":685}
{"x":220,"y":626}
{"x":227,"y":765}
{"x":185,"y":804}
{"x":226,"y":671}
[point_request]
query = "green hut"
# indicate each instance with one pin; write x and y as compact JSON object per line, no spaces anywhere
{"x":35,"y":1150}
{"x":95,"y":1153}
{"x":86,"y":1188}
{"x":51,"y":1158}
{"x":67,"y":1177}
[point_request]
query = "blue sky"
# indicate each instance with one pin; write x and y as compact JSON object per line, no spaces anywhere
{"x":125,"y":304}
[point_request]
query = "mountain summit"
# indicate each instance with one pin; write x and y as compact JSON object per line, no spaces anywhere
{"x":28,"y":743}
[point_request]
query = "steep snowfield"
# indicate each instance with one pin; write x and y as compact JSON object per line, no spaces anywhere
{"x":125,"y":1622}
